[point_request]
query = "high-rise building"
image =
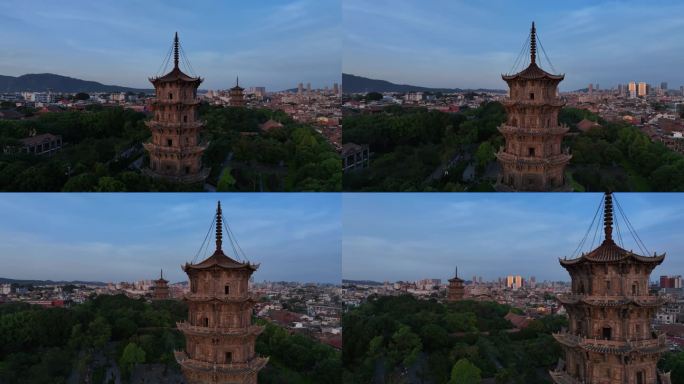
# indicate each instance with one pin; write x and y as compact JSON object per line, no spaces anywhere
{"x":219,"y":334}
{"x":532,"y":159}
{"x":300,"y":88}
{"x":336,"y":88}
{"x":175,"y":149}
{"x":236,"y":95}
{"x":681,"y":89}
{"x":642,"y":89}
{"x":161,"y":287}
{"x":456,"y":289}
{"x":590,"y":89}
{"x":671,"y":281}
{"x":609,"y":337}
{"x":663,"y":85}
{"x":632,"y":89}
{"x":308,"y":87}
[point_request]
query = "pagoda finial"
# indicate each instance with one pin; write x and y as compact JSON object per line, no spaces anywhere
{"x":608,"y":216}
{"x":175,"y":51}
{"x":237,"y":81}
{"x":456,"y":272}
{"x":161,"y":273}
{"x":219,"y":227}
{"x":533,"y":44}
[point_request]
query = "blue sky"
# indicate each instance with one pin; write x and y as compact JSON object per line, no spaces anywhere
{"x":413,"y":236}
{"x":271,"y":43}
{"x":127,"y":237}
{"x":468,"y":44}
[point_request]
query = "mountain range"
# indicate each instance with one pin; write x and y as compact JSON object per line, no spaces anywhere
{"x":43,"y":82}
{"x":360,"y":84}
{"x":4,"y":280}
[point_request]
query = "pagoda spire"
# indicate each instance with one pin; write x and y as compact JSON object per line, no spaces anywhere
{"x":456,"y":271}
{"x":237,"y":81}
{"x":533,"y":44}
{"x":161,"y":273}
{"x":175,"y":51}
{"x":219,"y":226}
{"x":608,"y":216}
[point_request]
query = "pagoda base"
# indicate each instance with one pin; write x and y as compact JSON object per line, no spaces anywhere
{"x":183,"y":179}
{"x":201,"y":372}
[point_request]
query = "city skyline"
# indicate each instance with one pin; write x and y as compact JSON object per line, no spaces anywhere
{"x":130,"y":237}
{"x":275,"y":44}
{"x":446,"y":44}
{"x":408,"y":237}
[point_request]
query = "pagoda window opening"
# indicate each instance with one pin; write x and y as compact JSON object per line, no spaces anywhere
{"x":640,"y":377}
{"x":635,"y":289}
{"x":607,"y":286}
{"x":229,"y":357}
{"x":169,"y":142}
{"x":205,"y":321}
{"x":606,"y":333}
{"x":185,"y":118}
{"x":170,"y":96}
{"x":187,"y":170}
{"x":531,"y":95}
{"x":226,"y":289}
{"x":531,"y":151}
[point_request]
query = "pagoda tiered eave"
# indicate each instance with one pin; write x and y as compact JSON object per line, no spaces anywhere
{"x":611,"y":301}
{"x":183,"y":153}
{"x":528,"y":131}
{"x":554,"y":103}
{"x":153,"y":124}
{"x":250,"y":331}
{"x":555,"y":160}
{"x":616,"y":347}
{"x":252,"y":366}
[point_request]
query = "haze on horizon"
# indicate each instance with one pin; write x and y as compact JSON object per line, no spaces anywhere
{"x":130,"y":237}
{"x":273,"y":43}
{"x":465,"y":44}
{"x":413,"y":236}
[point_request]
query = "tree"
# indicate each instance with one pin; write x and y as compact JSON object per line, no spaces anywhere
{"x":131,"y":356}
{"x":226,"y":181}
{"x":81,"y":96}
{"x":464,"y":372}
{"x":374,"y":96}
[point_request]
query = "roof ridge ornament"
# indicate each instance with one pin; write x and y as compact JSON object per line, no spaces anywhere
{"x":176,"y":55}
{"x":219,"y":225}
{"x":608,"y":216}
{"x":533,"y":44}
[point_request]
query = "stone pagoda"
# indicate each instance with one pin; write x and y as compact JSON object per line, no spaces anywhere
{"x":236,"y":95}
{"x":161,"y":287}
{"x":532,"y":158}
{"x":175,"y":148}
{"x":610,"y":309}
{"x":219,"y":334}
{"x":456,"y":288}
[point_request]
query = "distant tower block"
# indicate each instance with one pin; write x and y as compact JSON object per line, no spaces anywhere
{"x":237,"y":95}
{"x":161,"y":287}
{"x":219,"y":335}
{"x":609,"y":337}
{"x":456,"y":289}
{"x":532,"y":159}
{"x":175,"y":148}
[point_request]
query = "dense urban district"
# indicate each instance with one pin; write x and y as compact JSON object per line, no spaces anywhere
{"x":120,"y":333}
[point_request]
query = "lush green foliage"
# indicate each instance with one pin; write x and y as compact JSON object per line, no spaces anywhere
{"x":387,"y":336}
{"x":101,"y":143}
{"x":39,"y":345}
{"x":673,"y":363}
{"x":408,"y":145}
{"x":297,"y":359}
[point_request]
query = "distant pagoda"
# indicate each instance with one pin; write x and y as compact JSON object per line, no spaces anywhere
{"x":610,"y":309}
{"x":175,"y":149}
{"x":219,"y":335}
{"x":237,"y":95}
{"x":161,"y":287}
{"x":456,"y":288}
{"x":532,"y":158}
